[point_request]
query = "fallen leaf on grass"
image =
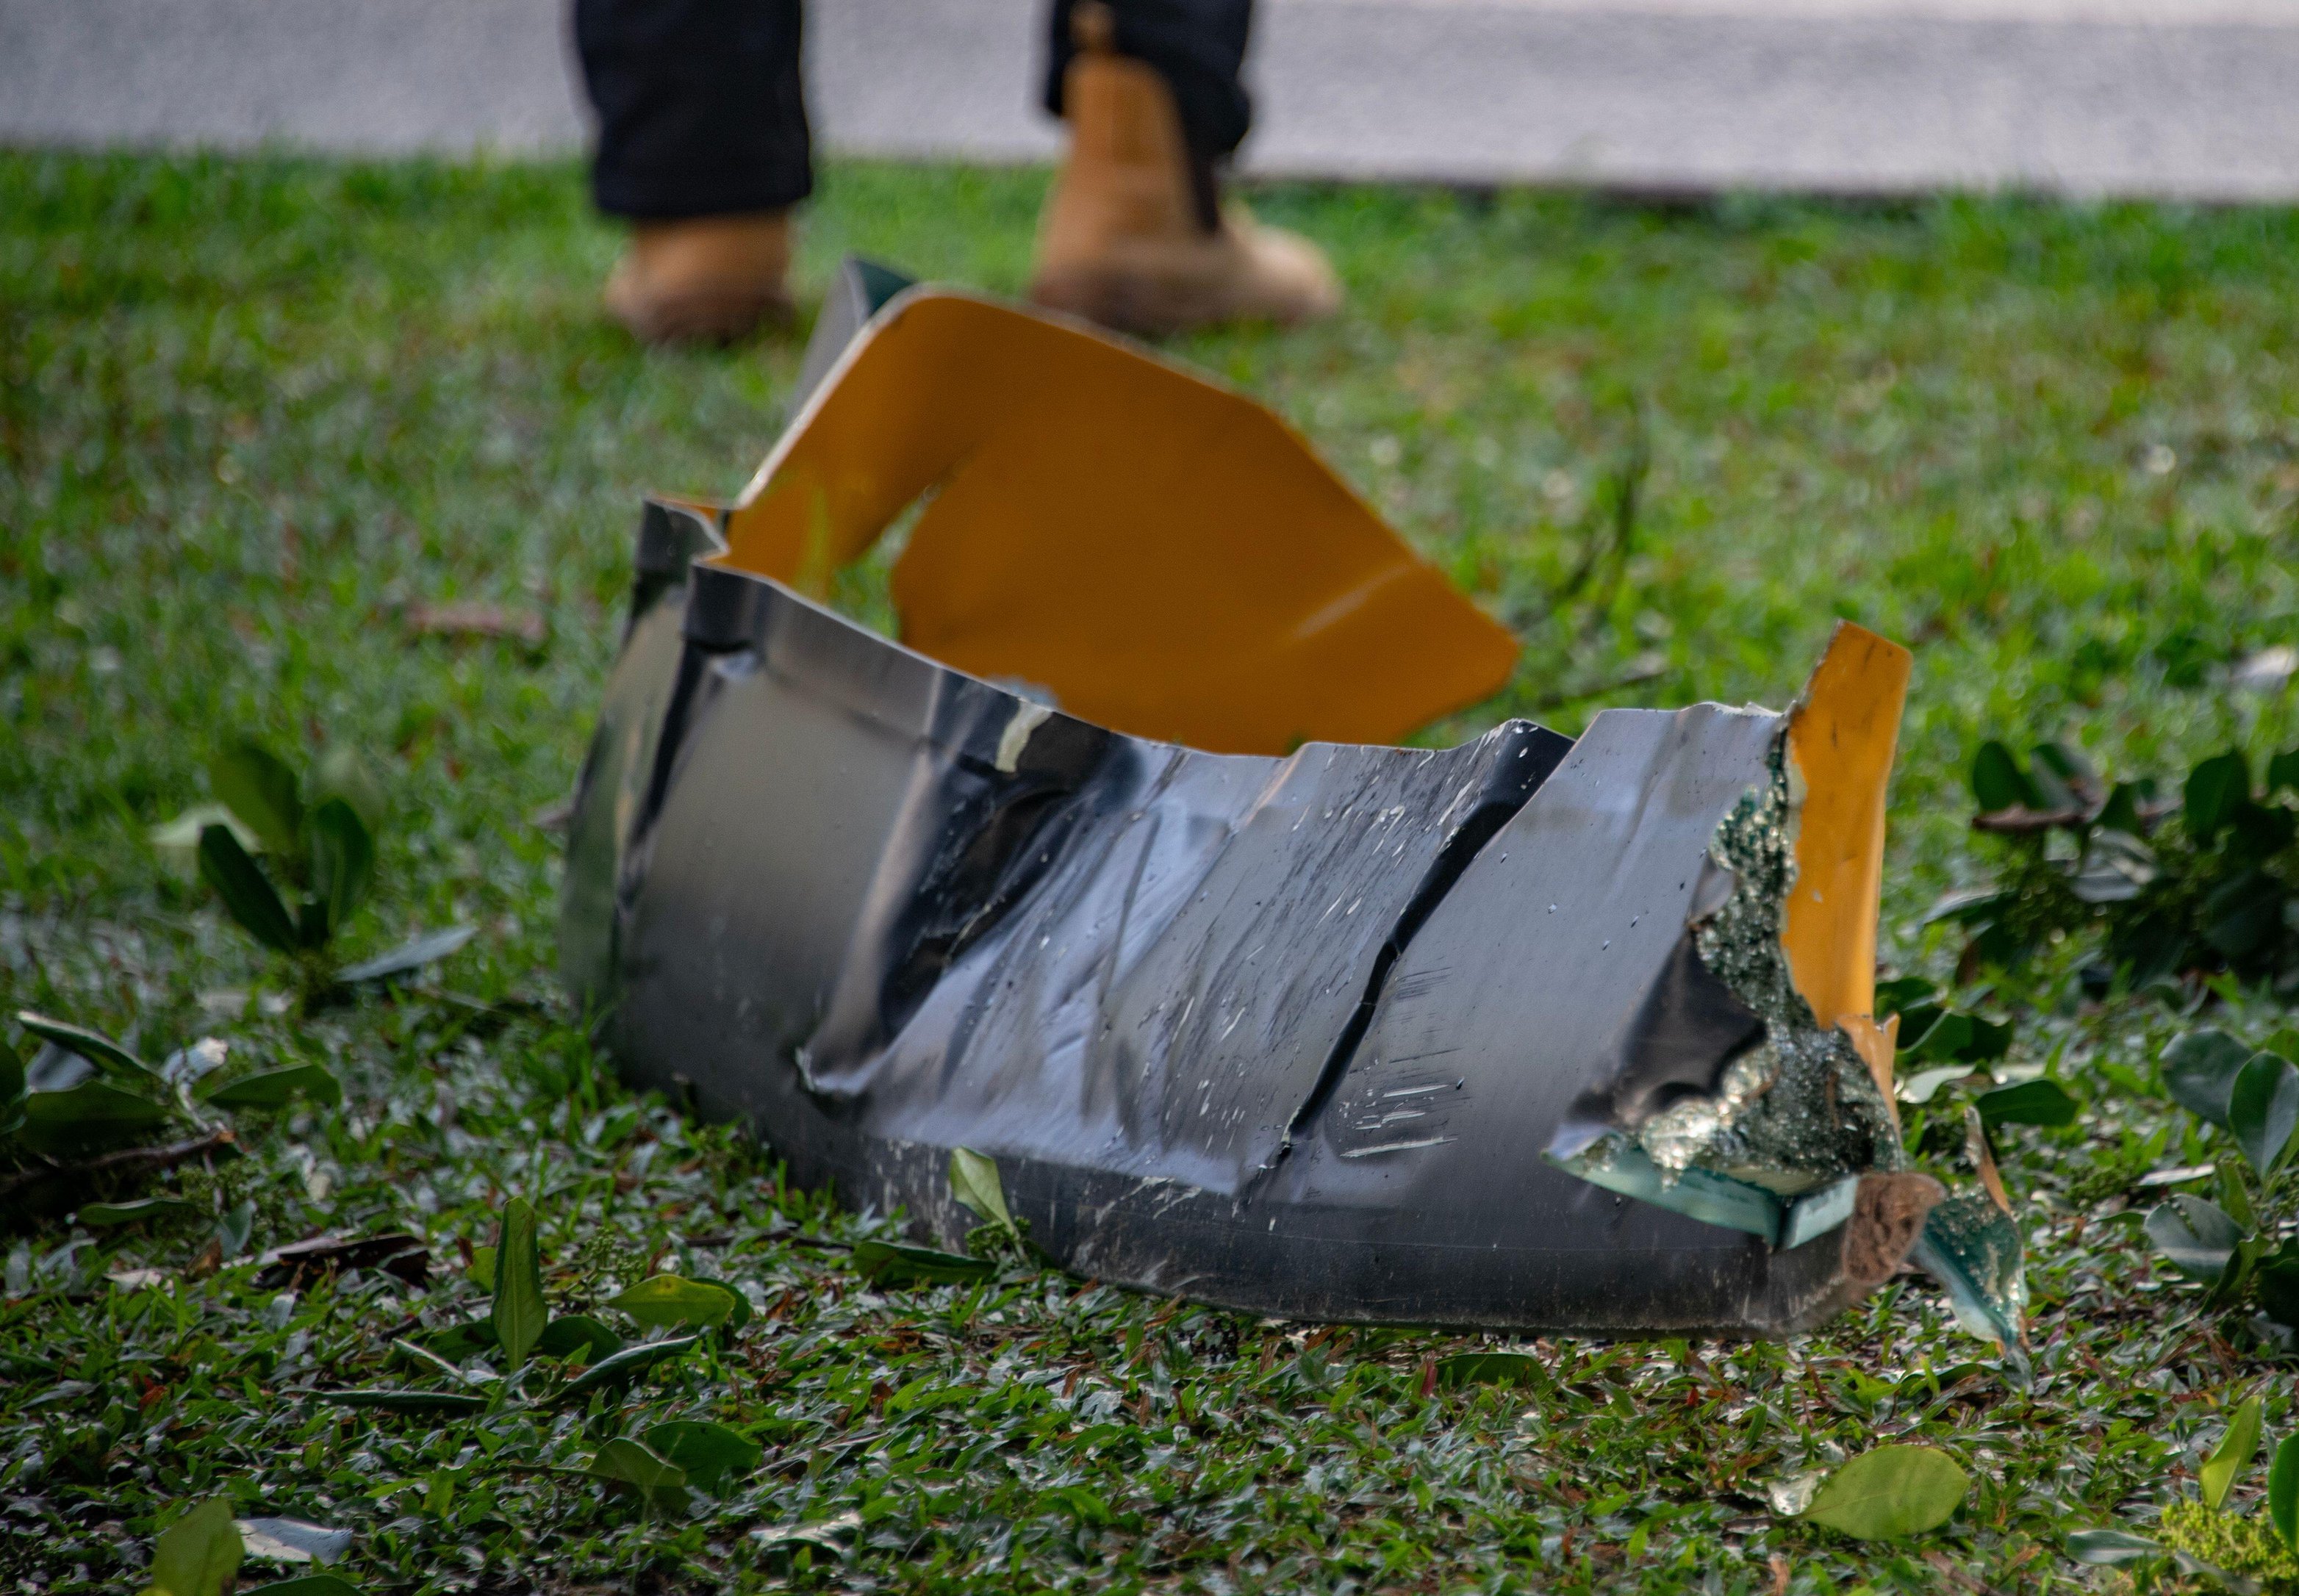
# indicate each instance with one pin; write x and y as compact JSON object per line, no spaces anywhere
{"x":708,"y":1452}
{"x":1889,"y":1492}
{"x":409,"y":956}
{"x":198,"y":1555}
{"x":663,"y":1301}
{"x":292,"y":1540}
{"x":636,"y":1469}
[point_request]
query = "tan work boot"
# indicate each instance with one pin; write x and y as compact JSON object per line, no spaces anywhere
{"x":704,"y":279}
{"x":1123,"y":240}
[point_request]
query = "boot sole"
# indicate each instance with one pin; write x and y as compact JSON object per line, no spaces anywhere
{"x":1135,"y":302}
{"x":703,"y":318}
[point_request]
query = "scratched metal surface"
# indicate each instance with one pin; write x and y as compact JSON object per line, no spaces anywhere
{"x":1290,"y":1035}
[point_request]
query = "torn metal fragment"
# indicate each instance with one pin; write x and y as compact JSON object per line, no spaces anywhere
{"x":1106,"y":875}
{"x":1973,"y":1249}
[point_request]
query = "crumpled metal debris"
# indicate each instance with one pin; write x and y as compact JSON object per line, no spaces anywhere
{"x":1528,"y":1033}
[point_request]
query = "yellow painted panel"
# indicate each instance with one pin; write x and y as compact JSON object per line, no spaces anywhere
{"x":1842,"y":734}
{"x":1167,"y":558}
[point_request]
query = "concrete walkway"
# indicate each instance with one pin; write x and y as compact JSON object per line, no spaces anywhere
{"x":2192,"y":98}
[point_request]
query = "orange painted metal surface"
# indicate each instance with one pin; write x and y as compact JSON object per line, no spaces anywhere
{"x":1842,"y":736}
{"x":1158,"y":554}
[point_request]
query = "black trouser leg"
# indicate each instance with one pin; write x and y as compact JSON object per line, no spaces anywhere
{"x":700,"y":110}
{"x":1197,"y":45}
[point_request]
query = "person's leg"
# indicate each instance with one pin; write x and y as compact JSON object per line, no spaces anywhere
{"x":704,"y":148}
{"x":1197,"y":47}
{"x":1135,"y":236}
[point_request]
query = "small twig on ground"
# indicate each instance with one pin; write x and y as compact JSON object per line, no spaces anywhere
{"x":1956,"y":1575}
{"x":474,"y":619}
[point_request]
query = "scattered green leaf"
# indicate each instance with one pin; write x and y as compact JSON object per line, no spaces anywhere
{"x":2263,"y":1110}
{"x":893,"y":1264}
{"x":629,"y":1466}
{"x":974,"y":1181}
{"x":94,"y":1045}
{"x":627,"y":1365}
{"x":141,"y":1211}
{"x":708,"y":1452}
{"x":1890,"y":1492}
{"x":2200,"y":1071}
{"x":2196,"y":1236}
{"x":2283,"y":1491}
{"x":276,"y":1088}
{"x":666,"y":1300}
{"x":519,"y":1313}
{"x":343,"y":861}
{"x":198,"y":1555}
{"x":2231,"y":1455}
{"x":256,"y":785}
{"x":409,"y":956}
{"x":248,"y":896}
{"x":2038,"y":1101}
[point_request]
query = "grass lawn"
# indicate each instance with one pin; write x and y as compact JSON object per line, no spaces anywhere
{"x":253,"y":413}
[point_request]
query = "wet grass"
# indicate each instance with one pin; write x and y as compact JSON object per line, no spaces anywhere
{"x":254,"y":413}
